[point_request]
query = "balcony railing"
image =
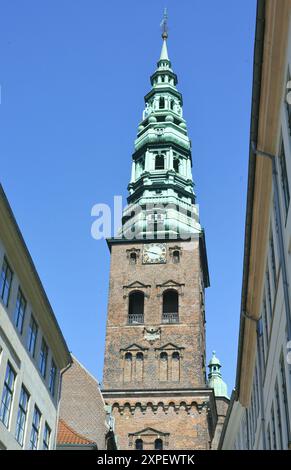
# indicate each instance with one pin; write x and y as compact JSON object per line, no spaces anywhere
{"x":135,"y":318}
{"x":172,"y":317}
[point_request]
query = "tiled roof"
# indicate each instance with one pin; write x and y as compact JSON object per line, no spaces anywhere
{"x":82,"y":405}
{"x":67,"y":435}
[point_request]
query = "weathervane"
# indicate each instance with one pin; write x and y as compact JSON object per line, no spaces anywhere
{"x":164,"y":25}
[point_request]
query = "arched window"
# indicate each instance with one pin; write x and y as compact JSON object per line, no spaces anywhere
{"x":139,"y":444}
{"x":170,"y":306}
{"x":176,"y":164}
{"x":158,"y":444}
{"x":176,"y":256}
{"x":163,"y":366}
{"x":136,"y":307}
{"x":172,"y":104}
{"x":160,"y":162}
{"x":175,"y":366}
{"x":139,"y":367}
{"x":162,"y":103}
{"x":132,"y":258}
{"x":127,"y":370}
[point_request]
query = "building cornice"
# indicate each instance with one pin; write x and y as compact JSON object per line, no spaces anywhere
{"x":268,"y":82}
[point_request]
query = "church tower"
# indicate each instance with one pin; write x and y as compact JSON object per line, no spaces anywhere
{"x":154,"y":369}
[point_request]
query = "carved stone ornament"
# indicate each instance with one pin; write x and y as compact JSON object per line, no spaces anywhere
{"x":151,"y":334}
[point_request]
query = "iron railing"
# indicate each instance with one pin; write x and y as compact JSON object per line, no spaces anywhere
{"x":172,"y":317}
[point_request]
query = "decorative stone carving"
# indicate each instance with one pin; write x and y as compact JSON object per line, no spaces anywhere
{"x":151,"y":334}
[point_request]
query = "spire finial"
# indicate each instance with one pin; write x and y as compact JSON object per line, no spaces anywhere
{"x":164,"y":24}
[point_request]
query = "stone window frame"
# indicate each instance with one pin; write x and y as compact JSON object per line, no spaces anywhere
{"x":149,"y":433}
{"x":170,"y":349}
{"x":133,"y":349}
{"x":170,"y":285}
{"x":136,"y":286}
{"x":131,"y":251}
{"x":172,"y":250}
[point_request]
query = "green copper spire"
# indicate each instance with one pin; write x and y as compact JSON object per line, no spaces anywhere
{"x":164,"y":52}
{"x":161,"y":188}
{"x":215,"y":378}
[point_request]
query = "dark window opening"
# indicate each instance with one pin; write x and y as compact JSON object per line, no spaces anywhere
{"x":136,"y":307}
{"x":176,"y":256}
{"x":176,"y":356}
{"x":139,"y":444}
{"x":160,"y":162}
{"x":133,"y":258}
{"x":176,"y":165}
{"x":128,"y":356}
{"x":158,"y":444}
{"x":162,"y":103}
{"x":170,"y":307}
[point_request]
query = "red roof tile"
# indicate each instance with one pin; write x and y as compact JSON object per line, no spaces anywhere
{"x":67,"y":435}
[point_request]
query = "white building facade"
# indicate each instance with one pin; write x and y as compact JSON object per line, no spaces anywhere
{"x":260,"y":409}
{"x":32,"y":349}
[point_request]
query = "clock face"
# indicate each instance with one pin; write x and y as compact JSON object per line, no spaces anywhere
{"x":154,"y":253}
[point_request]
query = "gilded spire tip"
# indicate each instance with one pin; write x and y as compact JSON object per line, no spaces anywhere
{"x":164,"y":25}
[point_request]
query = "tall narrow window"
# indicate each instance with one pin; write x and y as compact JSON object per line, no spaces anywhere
{"x":176,"y":165}
{"x":158,"y":444}
{"x":273,"y":429}
{"x":269,"y":293}
{"x":43,"y":358}
{"x":284,"y":179}
{"x":127,"y":370}
{"x":279,"y":420}
{"x":132,"y":258}
{"x":139,"y":367}
{"x":52,"y":379}
{"x":273,"y":260}
{"x":21,"y":416}
{"x":163,"y":366}
{"x":284,"y":392}
{"x":160,"y":162}
{"x":139,"y":444}
{"x":176,"y":256}
{"x":5,"y":282}
{"x":20,"y":311}
{"x":162,"y":103}
{"x":175,"y":366}
{"x":170,"y":307}
{"x":269,"y":438}
{"x":46,"y":437}
{"x":136,"y":307}
{"x":7,"y":395}
{"x":35,"y":429}
{"x":32,"y":336}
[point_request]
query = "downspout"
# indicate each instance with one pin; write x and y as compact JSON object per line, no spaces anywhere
{"x":59,"y":400}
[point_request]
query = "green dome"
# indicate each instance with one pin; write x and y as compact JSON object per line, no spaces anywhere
{"x":215,"y":378}
{"x":214,"y":360}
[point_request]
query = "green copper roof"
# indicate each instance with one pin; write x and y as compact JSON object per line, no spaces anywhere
{"x":215,"y":378}
{"x":161,"y":173}
{"x":164,"y":51}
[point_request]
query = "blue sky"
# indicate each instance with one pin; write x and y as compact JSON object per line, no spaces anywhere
{"x":73,"y":76}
